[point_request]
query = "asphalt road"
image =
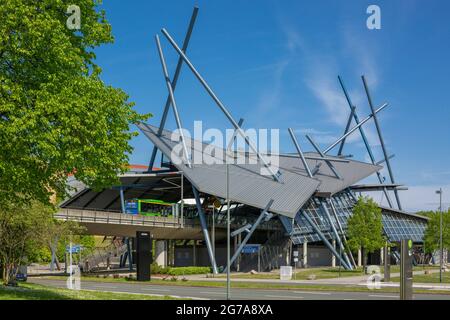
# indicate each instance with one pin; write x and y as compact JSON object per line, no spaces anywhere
{"x":236,"y":293}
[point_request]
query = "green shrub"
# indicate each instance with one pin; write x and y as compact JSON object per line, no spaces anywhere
{"x":178,"y":271}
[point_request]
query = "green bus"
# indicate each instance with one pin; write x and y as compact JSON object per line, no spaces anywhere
{"x":150,"y":207}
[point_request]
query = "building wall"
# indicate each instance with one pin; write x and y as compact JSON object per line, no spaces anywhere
{"x":184,"y":256}
{"x":318,"y":256}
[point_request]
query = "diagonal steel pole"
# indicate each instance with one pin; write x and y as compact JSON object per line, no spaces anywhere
{"x":316,"y":229}
{"x":172,"y":100}
{"x":249,"y":234}
{"x":300,"y":153}
{"x":219,"y":103}
{"x":347,"y":127}
{"x":333,"y":229}
{"x":204,"y":227}
{"x":354,"y":128}
{"x":364,"y":138}
{"x":344,"y":238}
{"x":233,"y":137}
{"x":173,"y":84}
{"x":383,"y":146}
{"x":323,"y":155}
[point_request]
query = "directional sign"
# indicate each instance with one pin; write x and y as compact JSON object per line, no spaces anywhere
{"x":251,"y":248}
{"x":75,"y":248}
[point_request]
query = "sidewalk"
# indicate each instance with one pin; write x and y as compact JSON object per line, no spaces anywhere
{"x":343,"y":281}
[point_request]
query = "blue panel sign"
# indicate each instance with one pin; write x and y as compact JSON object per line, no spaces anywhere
{"x":75,"y":248}
{"x":131,"y":207}
{"x":251,"y":248}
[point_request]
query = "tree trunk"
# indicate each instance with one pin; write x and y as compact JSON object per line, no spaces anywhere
{"x":364,"y":260}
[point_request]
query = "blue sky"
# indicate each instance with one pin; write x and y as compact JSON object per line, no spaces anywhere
{"x":275,"y":63}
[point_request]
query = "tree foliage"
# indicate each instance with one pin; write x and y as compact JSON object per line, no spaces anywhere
{"x":365,"y":227}
{"x":432,"y":232}
{"x":24,"y":231}
{"x":56,"y":114}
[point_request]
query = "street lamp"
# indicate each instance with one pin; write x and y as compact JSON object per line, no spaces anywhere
{"x":439,"y":192}
{"x":228,"y":235}
{"x":213,"y":230}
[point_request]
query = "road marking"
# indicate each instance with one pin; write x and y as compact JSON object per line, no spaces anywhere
{"x":105,"y":287}
{"x":211,"y":292}
{"x":381,"y":296}
{"x":307,"y":292}
{"x":163,"y":290}
{"x":276,"y":296}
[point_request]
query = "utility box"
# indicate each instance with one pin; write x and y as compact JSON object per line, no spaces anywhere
{"x":406,"y":272}
{"x":285,"y":273}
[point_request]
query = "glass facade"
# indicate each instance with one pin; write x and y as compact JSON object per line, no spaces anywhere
{"x":396,"y":226}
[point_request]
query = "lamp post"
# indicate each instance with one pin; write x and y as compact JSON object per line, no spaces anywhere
{"x":213,"y":230}
{"x":439,"y":192}
{"x":228,"y":234}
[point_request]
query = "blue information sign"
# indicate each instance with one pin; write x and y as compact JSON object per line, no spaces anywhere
{"x":251,"y":248}
{"x":75,"y":248}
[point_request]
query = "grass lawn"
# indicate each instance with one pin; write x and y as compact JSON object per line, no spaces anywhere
{"x":320,"y":273}
{"x":302,"y":274}
{"x":429,"y":278}
{"x":30,"y":291}
{"x":256,"y":285}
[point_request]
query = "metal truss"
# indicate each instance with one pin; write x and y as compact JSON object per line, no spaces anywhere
{"x":335,"y":231}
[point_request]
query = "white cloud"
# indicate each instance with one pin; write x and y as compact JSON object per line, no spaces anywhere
{"x":320,"y":78}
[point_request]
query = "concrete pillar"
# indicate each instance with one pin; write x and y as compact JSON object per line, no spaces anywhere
{"x":305,"y":254}
{"x":381,"y":256}
{"x":359,"y":258}
{"x":333,"y":257}
{"x":161,"y":253}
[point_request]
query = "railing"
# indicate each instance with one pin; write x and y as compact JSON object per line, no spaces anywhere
{"x":120,"y":218}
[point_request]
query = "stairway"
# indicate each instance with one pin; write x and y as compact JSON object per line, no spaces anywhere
{"x":100,"y":257}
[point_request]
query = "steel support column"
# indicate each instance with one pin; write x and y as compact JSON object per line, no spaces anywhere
{"x":204,"y":226}
{"x":324,"y":239}
{"x":333,"y":228}
{"x":263,"y":214}
{"x":322,"y":154}
{"x":233,"y":137}
{"x":300,"y":153}
{"x":383,"y":146}
{"x":172,"y":100}
{"x":372,"y":115}
{"x":347,"y":127}
{"x":333,"y":209}
{"x":364,"y":138}
{"x":174,"y":84}
{"x":219,"y":104}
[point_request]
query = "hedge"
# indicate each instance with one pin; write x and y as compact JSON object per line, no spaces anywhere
{"x":179,"y":271}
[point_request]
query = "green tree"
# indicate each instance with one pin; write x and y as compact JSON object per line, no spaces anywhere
{"x":365,"y":227}
{"x":56,"y":114}
{"x":24,"y":231}
{"x":432,"y":232}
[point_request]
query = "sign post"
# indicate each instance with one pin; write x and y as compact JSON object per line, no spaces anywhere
{"x":387,"y":264}
{"x":295,"y":253}
{"x":406,"y":273}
